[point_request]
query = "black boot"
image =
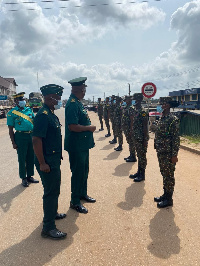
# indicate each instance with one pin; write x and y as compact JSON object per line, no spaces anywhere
{"x":127,"y":157}
{"x":140,"y":177}
{"x":135,"y":175}
{"x":119,"y":148}
{"x":113,"y":141}
{"x":108,"y":135}
{"x":131,"y":159}
{"x":101,"y":129}
{"x":167,"y":201}
{"x":161,"y":198}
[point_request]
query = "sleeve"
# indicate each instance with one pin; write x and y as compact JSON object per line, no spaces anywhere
{"x":10,"y":119}
{"x":175,"y":136}
{"x":40,"y":125}
{"x":71,"y":114}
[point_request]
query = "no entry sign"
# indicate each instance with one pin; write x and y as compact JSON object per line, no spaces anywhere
{"x":149,"y":89}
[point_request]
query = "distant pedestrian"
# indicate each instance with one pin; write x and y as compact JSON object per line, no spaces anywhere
{"x":167,"y":143}
{"x":100,"y":113}
{"x":78,"y":141}
{"x":47,"y":143}
{"x":21,"y":118}
{"x":139,"y":129}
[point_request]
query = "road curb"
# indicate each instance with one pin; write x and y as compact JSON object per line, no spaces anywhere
{"x":190,"y":149}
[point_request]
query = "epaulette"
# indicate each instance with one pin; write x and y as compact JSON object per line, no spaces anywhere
{"x":73,"y":100}
{"x":45,"y":112}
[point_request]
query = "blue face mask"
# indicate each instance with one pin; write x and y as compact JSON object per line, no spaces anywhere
{"x":133,"y":102}
{"x":114,"y":101}
{"x":159,"y":109}
{"x":22,"y":104}
{"x":124,"y":104}
{"x":59,"y":105}
{"x":109,"y":99}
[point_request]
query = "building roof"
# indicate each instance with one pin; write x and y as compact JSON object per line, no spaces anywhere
{"x":5,"y":82}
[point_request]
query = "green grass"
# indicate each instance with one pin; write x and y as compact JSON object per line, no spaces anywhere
{"x":193,"y":139}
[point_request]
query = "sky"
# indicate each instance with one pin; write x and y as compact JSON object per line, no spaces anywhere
{"x":111,"y":42}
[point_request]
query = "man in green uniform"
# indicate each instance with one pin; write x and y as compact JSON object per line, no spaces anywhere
{"x":111,"y":116}
{"x":47,"y":144}
{"x":139,"y":128}
{"x":78,"y":141}
{"x":167,"y":143}
{"x":106,"y":116}
{"x":21,"y":118}
{"x":100,"y":113}
{"x":126,"y":127}
{"x":117,"y":123}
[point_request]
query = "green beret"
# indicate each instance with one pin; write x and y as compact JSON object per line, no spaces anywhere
{"x":19,"y":95}
{"x":127,"y":97}
{"x":51,"y":89}
{"x":99,"y":99}
{"x":118,"y":98}
{"x":138,"y":96}
{"x":167,"y":99}
{"x":78,"y":81}
{"x":107,"y":98}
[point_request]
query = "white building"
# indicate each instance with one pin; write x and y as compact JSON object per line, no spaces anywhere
{"x":7,"y":86}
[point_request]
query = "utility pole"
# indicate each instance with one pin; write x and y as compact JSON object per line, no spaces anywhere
{"x":104,"y":96}
{"x":38,"y":82}
{"x":129,"y":89}
{"x":93,"y":100}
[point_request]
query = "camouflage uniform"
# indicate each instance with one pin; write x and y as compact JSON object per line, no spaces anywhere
{"x":100,"y":112}
{"x":167,"y":143}
{"x":117,"y":123}
{"x":111,"y":114}
{"x":106,"y":115}
{"x":128,"y":111}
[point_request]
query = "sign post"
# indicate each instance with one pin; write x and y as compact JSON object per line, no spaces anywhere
{"x":149,"y":90}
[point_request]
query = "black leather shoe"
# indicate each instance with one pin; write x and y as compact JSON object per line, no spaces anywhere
{"x":25,"y":182}
{"x":107,"y":135}
{"x":119,"y":148}
{"x":32,"y":180}
{"x":127,"y":158}
{"x":53,"y":234}
{"x":113,"y":141}
{"x":88,"y":199}
{"x":131,"y":160}
{"x":159,"y":199}
{"x":60,"y":216}
{"x":165,"y":203}
{"x":79,"y":208}
{"x":101,"y":129}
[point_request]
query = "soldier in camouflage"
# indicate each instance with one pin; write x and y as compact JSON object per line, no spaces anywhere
{"x":139,"y":129}
{"x":117,"y":123}
{"x":126,"y":127}
{"x":106,"y":116}
{"x":100,"y":113}
{"x":111,"y":116}
{"x":167,"y":143}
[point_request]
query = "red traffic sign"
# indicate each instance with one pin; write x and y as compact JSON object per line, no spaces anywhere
{"x":149,"y":89}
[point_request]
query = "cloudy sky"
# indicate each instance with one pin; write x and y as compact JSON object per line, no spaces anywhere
{"x":111,"y":42}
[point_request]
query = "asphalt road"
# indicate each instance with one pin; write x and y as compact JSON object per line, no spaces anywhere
{"x":124,"y":226}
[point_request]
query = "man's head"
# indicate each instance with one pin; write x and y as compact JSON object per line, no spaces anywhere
{"x":99,"y":100}
{"x":165,"y":102}
{"x":107,"y":99}
{"x":52,"y":95}
{"x":118,"y":99}
{"x":128,"y":99}
{"x":138,"y":97}
{"x":19,"y":99}
{"x":78,"y":87}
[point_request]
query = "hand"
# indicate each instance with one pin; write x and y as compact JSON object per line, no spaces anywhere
{"x":15,"y":146}
{"x":45,"y":168}
{"x":174,"y":159}
{"x":92,"y":128}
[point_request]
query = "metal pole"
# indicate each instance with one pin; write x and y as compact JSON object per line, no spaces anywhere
{"x":129,"y":89}
{"x":38,"y":82}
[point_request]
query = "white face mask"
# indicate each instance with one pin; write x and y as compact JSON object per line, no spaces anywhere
{"x":22,"y":104}
{"x":58,"y":105}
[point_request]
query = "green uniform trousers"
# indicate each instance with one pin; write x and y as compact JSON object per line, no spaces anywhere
{"x":25,"y":154}
{"x":130,"y":141}
{"x":79,"y":165}
{"x":107,"y":124}
{"x":51,"y":184}
{"x":141,"y":154}
{"x":101,"y":120}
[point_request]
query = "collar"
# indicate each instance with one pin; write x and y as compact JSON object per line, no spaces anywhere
{"x":73,"y":96}
{"x":47,"y":107}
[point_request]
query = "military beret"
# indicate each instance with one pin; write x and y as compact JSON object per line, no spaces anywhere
{"x":51,"y":89}
{"x":19,"y":95}
{"x":138,"y":96}
{"x":107,"y":98}
{"x":99,"y":98}
{"x":78,"y":81}
{"x":126,"y":97}
{"x":118,"y":98}
{"x":167,"y":99}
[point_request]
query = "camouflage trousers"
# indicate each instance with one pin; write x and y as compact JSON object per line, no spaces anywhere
{"x":130,"y":141}
{"x":118,"y":133}
{"x":107,"y":124}
{"x":101,"y":120}
{"x":167,"y":169}
{"x":112,"y":123}
{"x":141,"y":154}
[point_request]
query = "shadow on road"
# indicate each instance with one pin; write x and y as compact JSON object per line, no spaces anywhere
{"x":107,"y":147}
{"x":164,"y":234}
{"x":133,"y":197}
{"x":101,"y":138}
{"x":7,"y":197}
{"x":37,"y":251}
{"x":112,"y":156}
{"x":123,"y":169}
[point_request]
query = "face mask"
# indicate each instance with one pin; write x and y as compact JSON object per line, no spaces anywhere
{"x":114,"y":101}
{"x":133,"y":102}
{"x":109,"y":99}
{"x":22,"y":103}
{"x":124,"y":104}
{"x":58,"y":105}
{"x":159,"y":109}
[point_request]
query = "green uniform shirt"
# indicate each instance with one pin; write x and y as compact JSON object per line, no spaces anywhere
{"x":22,"y":120}
{"x":75,"y":113}
{"x":48,"y":127}
{"x":140,"y":116}
{"x":106,"y":111}
{"x":100,"y":109}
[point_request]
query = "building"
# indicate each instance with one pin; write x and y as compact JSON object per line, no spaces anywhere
{"x":189,"y":98}
{"x":7,"y":86}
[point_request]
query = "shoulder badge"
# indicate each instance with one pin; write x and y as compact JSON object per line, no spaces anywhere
{"x":144,"y":114}
{"x":45,"y":112}
{"x":73,"y":100}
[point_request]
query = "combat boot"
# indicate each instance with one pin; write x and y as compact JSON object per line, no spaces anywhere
{"x":166,"y":202}
{"x":119,"y":148}
{"x":135,"y":175}
{"x":140,"y":177}
{"x":108,"y":135}
{"x":131,"y":159}
{"x":113,"y":141}
{"x":161,"y":198}
{"x":127,"y":157}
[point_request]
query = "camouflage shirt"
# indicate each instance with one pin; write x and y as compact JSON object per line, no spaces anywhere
{"x":112,"y":110}
{"x":126,"y":113}
{"x":100,"y":109}
{"x":167,"y":138}
{"x":106,"y":111}
{"x":140,"y":116}
{"x":117,"y":115}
